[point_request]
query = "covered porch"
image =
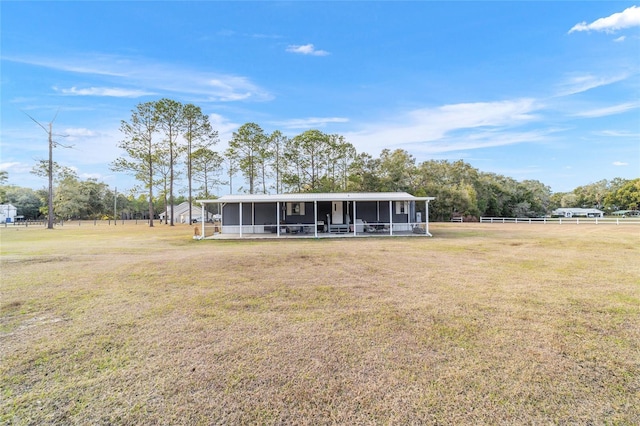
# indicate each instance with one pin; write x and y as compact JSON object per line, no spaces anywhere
{"x":318,"y":215}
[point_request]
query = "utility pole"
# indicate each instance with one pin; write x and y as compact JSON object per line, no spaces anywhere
{"x":50,"y":201}
{"x":50,"y":171}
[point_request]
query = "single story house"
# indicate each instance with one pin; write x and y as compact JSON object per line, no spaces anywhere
{"x":321,"y":214}
{"x":181,"y":212}
{"x":577,"y":212}
{"x":8,"y":213}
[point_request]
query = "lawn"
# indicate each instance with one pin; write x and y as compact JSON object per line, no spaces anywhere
{"x":481,"y":324}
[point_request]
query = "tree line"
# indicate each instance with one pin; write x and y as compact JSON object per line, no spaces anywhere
{"x":166,"y":143}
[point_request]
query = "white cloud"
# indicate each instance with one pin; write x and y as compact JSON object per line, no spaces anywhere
{"x":9,"y":165}
{"x":626,"y":19}
{"x":116,"y":92}
{"x":312,"y":122}
{"x":79,"y":132}
{"x":306,"y":49}
{"x":443,"y":129}
{"x":612,"y":110}
{"x":620,"y":39}
{"x":154,"y":77}
{"x":618,"y":134}
{"x":224,"y":127}
{"x":620,"y":163}
{"x":581,"y":83}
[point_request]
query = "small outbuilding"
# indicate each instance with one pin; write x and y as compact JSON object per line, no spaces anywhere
{"x":321,"y":214}
{"x":181,"y":213}
{"x":8,"y":213}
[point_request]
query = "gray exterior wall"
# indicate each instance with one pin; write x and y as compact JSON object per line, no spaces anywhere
{"x":266,"y":213}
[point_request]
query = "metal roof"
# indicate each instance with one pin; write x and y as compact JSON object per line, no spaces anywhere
{"x":312,"y":196}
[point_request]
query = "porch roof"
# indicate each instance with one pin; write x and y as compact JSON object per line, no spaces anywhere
{"x":314,"y":196}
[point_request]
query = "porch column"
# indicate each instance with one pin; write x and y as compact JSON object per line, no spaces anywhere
{"x":240,"y":219}
{"x":203,"y":220}
{"x":426,"y":224}
{"x":278,"y":217}
{"x":354,"y":218}
{"x":315,"y":218}
{"x":390,"y":217}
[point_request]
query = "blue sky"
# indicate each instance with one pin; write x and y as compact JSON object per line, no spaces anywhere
{"x":531,"y":90}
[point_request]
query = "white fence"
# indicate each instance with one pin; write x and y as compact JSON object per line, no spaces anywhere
{"x":565,"y":220}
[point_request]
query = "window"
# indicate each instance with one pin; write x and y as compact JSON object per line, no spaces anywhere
{"x":295,"y":209}
{"x":402,"y":207}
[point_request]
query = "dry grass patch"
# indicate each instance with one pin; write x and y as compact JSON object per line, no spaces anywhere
{"x":482,"y":324}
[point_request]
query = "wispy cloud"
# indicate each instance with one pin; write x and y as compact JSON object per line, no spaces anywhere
{"x":79,"y":132}
{"x":452,"y":127}
{"x":232,"y":33}
{"x":306,"y":49}
{"x":312,"y":122}
{"x":618,"y":134}
{"x":620,"y":163}
{"x":620,"y":39}
{"x":224,"y":127}
{"x":116,"y":92}
{"x":8,"y":165}
{"x":612,"y":110}
{"x":153,"y":77}
{"x":581,"y":83}
{"x":626,"y":19}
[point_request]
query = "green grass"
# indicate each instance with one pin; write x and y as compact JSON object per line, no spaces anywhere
{"x":482,"y":324}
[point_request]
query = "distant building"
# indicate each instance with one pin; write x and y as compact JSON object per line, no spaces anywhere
{"x":627,"y":213}
{"x":181,"y":212}
{"x":8,"y":213}
{"x":577,"y":212}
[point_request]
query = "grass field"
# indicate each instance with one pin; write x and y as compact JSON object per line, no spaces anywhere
{"x":481,"y":324}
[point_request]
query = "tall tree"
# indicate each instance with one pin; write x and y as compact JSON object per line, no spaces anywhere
{"x":207,"y":167}
{"x":364,"y":173}
{"x":397,"y":170}
{"x":343,"y":154}
{"x":626,"y":196}
{"x":171,"y":120}
{"x":141,"y":148}
{"x":198,"y":135}
{"x":277,"y":142}
{"x":248,"y":150}
{"x":307,"y":157}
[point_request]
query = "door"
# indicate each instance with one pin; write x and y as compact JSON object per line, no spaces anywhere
{"x":336,"y":213}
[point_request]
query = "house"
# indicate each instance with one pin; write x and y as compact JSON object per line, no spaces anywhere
{"x":322,"y":214}
{"x":8,"y":213}
{"x":577,"y":212}
{"x":181,"y":212}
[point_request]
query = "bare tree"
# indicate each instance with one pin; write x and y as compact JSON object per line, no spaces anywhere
{"x":52,"y":144}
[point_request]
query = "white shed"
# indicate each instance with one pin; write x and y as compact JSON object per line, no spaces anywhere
{"x":8,"y":213}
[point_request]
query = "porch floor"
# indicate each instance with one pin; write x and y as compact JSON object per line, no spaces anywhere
{"x":270,"y":236}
